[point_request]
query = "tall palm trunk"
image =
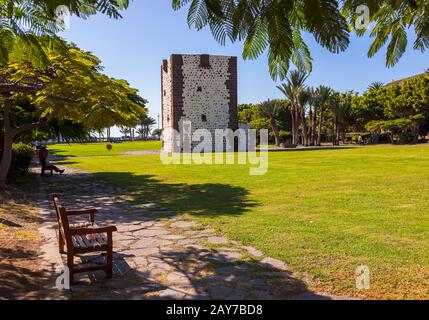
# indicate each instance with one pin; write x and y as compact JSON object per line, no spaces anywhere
{"x":319,"y":132}
{"x":335,"y":135}
{"x":304,"y":128}
{"x":275,"y":130}
{"x":310,"y":127}
{"x":296,"y":132}
{"x":292,"y":115}
{"x":314,"y":129}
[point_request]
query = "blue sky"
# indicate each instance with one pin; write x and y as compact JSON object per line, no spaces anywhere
{"x":133,"y":49}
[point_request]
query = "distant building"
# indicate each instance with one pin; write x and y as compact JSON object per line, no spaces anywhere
{"x":201,"y":89}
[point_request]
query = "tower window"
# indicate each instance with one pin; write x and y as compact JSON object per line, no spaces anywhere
{"x":203,"y":118}
{"x":205,"y":61}
{"x":199,"y":89}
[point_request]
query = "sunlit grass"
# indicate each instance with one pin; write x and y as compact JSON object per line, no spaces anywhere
{"x":99,"y":149}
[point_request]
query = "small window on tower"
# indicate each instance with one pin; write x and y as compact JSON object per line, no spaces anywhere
{"x":203,"y":118}
{"x":199,"y":89}
{"x":165,"y":92}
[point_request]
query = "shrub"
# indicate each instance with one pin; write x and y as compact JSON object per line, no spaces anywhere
{"x":22,"y":154}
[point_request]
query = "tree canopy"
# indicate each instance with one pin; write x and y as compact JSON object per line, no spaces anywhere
{"x":277,"y":27}
{"x":70,"y":89}
{"x":24,"y":21}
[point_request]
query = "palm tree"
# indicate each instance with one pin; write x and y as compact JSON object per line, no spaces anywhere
{"x":321,"y":99}
{"x":24,"y":21}
{"x":295,"y":83}
{"x":392,"y":19}
{"x":376,"y":85}
{"x":277,"y":26}
{"x":125,"y":131}
{"x":273,"y":26}
{"x":269,"y":109}
{"x":312,"y":115}
{"x":340,"y":105}
{"x":304,"y":99}
{"x":146,"y":124}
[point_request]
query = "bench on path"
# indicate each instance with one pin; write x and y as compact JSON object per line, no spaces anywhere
{"x":83,"y":237}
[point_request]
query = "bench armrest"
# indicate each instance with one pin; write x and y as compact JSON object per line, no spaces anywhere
{"x":79,"y":212}
{"x":91,"y":213}
{"x":84,"y":231}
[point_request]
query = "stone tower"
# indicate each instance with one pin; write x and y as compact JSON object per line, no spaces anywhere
{"x":201,"y":89}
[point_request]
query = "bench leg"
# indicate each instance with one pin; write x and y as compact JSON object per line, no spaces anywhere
{"x":109,"y":257}
{"x":70,"y":265}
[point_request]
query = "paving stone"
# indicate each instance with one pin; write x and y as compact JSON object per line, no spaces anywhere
{"x":186,"y":241}
{"x":253,"y":251}
{"x":150,"y":233}
{"x":150,"y":243}
{"x":235,"y":296}
{"x":273,"y":263}
{"x":226,"y":256}
{"x":171,"y":237}
{"x":178,"y":278}
{"x":257,"y":283}
{"x":220,"y":291}
{"x":128,"y":227}
{"x":171,"y":294}
{"x":217,"y":240}
{"x":195,"y":234}
{"x":124,"y":244}
{"x":183,"y":224}
{"x":232,"y":269}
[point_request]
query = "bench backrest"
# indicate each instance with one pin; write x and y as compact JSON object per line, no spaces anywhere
{"x":62,"y":218}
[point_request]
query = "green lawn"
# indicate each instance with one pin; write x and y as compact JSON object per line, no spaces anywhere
{"x":99,"y":149}
{"x":323,"y":212}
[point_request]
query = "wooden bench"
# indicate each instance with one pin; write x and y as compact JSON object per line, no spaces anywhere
{"x":83,"y":237}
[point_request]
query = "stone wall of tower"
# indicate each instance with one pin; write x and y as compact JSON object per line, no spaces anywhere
{"x":167,"y":103}
{"x":201,"y":89}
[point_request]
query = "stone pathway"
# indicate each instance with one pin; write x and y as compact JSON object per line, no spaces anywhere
{"x":160,"y":255}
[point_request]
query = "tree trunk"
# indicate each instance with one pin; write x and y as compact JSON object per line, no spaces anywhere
{"x":304,"y":129}
{"x":275,"y":130}
{"x":335,"y":141}
{"x":292,"y":115}
{"x":319,"y":133}
{"x":8,"y":137}
{"x":296,"y":131}
{"x":6,"y":157}
{"x":311,"y":128}
{"x":314,"y":125}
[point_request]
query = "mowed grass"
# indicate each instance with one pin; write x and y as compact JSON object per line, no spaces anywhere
{"x":99,"y":149}
{"x":323,"y":212}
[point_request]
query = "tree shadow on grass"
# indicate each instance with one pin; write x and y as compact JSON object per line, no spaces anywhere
{"x":208,"y":199}
{"x":308,"y":149}
{"x":145,"y":194}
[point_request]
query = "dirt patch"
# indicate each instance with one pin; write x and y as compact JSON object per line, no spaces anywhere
{"x":20,"y":267}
